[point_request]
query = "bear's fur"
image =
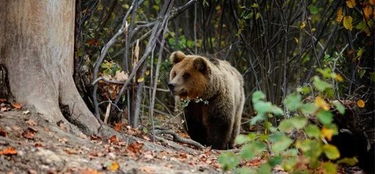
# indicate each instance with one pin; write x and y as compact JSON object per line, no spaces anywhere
{"x":215,"y":88}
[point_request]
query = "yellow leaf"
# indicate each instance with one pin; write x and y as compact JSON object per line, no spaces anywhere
{"x":295,"y":39}
{"x":327,"y":133}
{"x":339,"y":78}
{"x":114,"y":166}
{"x":372,"y":2}
{"x":350,"y":3}
{"x":339,"y":15}
{"x":361,"y":103}
{"x":320,"y":102}
{"x":303,"y":25}
{"x":367,"y":11}
{"x":348,"y":22}
{"x":140,"y":80}
{"x":258,"y":15}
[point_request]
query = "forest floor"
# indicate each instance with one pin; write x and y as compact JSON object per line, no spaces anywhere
{"x":29,"y":144}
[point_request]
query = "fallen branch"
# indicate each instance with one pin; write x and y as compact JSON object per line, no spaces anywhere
{"x":179,"y":139}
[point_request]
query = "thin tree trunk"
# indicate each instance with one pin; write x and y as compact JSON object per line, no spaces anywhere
{"x":37,"y":47}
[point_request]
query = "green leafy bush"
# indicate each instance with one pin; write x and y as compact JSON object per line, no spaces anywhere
{"x":300,"y":142}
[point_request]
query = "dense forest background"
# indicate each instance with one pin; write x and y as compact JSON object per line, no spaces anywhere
{"x":277,"y":46}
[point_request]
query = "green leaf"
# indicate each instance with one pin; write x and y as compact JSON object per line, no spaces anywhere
{"x":308,"y":108}
{"x":280,"y":142}
{"x":325,"y":117}
{"x":228,"y":160}
{"x":339,"y":107}
{"x":241,"y":139}
{"x":244,"y":170}
{"x":253,"y":149}
{"x":304,"y":90}
{"x":293,"y":101}
{"x":349,"y":161}
{"x":264,"y":169}
{"x":326,"y":72}
{"x":262,"y":107}
{"x":312,"y":149}
{"x":331,"y":151}
{"x":320,"y":84}
{"x":276,"y":110}
{"x":313,"y":9}
{"x":246,"y":152}
{"x":257,"y":118}
{"x":255,"y":5}
{"x":286,"y":126}
{"x":299,"y":122}
{"x":276,"y":160}
{"x":312,"y":131}
{"x":329,"y":168}
{"x":289,"y":163}
{"x":293,"y":123}
{"x":258,"y":95}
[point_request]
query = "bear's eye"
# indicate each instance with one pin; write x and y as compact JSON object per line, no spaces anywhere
{"x":186,"y":76}
{"x":173,"y":74}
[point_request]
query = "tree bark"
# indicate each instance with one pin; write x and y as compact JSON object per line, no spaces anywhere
{"x":37,"y":48}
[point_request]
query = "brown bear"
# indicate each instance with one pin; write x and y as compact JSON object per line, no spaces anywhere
{"x":216,"y":94}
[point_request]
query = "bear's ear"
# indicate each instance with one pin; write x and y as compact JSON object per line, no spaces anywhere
{"x":201,"y":65}
{"x":176,"y":57}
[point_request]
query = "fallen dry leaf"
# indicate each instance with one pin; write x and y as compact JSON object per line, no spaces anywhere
{"x":135,"y":147}
{"x":118,"y":126}
{"x":29,"y":133}
{"x":2,"y":100}
{"x":113,"y":139}
{"x":31,"y":122}
{"x":38,"y":144}
{"x":146,"y":137}
{"x":93,"y":42}
{"x":121,"y":76}
{"x":112,"y":166}
{"x":17,"y":105}
{"x":3,"y":133}
{"x":94,"y":137}
{"x":63,"y":140}
{"x":89,"y":171}
{"x":8,"y":151}
{"x":71,"y":151}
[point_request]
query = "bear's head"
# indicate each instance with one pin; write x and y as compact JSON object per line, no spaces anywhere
{"x":189,"y":76}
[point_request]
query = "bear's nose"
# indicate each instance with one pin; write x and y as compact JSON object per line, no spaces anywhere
{"x":171,"y":86}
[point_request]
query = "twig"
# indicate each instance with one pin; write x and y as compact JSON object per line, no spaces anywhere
{"x":156,"y":82}
{"x":181,"y":9}
{"x":107,"y":80}
{"x":157,"y":89}
{"x":108,"y":110}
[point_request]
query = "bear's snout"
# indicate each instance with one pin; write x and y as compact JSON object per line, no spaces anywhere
{"x":171,"y":86}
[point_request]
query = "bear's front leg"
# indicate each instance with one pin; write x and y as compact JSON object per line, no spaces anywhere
{"x":219,"y":131}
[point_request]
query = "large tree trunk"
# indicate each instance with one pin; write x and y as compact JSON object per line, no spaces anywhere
{"x":37,"y":47}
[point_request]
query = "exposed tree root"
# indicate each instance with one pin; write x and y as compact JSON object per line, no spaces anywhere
{"x":179,"y":139}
